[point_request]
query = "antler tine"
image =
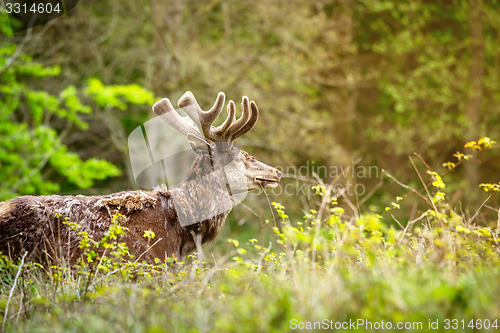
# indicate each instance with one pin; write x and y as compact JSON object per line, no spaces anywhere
{"x":221,"y":131}
{"x":204,"y":118}
{"x":167,"y":112}
{"x":254,"y":116}
{"x":238,"y":124}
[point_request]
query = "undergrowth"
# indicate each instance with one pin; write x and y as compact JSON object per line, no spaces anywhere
{"x":327,"y":268}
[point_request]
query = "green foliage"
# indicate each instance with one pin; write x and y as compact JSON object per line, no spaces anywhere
{"x":31,"y":147}
{"x":81,"y":173}
{"x":117,"y":95}
{"x":34,"y":123}
{"x":104,"y":258}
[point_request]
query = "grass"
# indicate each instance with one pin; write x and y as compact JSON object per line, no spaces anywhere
{"x":323,"y":270}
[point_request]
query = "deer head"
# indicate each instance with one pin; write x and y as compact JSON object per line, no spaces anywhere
{"x":214,"y":145}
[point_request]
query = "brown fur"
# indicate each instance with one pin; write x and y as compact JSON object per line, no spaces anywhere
{"x":30,"y":224}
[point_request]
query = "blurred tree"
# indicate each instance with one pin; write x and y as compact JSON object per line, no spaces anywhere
{"x":437,"y":68}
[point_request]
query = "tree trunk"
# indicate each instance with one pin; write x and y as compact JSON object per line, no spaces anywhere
{"x":167,"y":25}
{"x":474,"y":94}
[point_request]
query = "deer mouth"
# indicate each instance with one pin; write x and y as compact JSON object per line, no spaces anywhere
{"x":267,"y":182}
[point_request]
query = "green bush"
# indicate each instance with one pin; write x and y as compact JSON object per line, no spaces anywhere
{"x":34,"y":123}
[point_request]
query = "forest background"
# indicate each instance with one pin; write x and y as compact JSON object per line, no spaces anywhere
{"x":407,"y":89}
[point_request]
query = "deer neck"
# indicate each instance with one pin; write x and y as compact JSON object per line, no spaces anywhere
{"x":203,"y":195}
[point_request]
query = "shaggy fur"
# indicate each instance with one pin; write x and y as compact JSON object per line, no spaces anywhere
{"x":30,"y":223}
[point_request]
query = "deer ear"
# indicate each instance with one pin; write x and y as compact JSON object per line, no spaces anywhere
{"x":198,"y":145}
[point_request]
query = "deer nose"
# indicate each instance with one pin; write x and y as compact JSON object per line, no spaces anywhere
{"x":279,"y":174}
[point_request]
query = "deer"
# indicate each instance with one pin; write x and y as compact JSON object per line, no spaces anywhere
{"x":182,"y":218}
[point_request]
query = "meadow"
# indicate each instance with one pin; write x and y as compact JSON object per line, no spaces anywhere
{"x":330,"y":270}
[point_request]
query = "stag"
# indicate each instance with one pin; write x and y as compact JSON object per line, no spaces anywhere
{"x":182,"y":218}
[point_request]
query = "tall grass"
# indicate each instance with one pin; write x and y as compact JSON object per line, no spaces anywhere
{"x":328,"y":268}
